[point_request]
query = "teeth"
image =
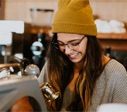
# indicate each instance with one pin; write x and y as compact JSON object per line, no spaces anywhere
{"x":73,"y":55}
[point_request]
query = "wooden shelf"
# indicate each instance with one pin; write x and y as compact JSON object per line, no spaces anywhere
{"x":117,"y":41}
{"x":119,"y":36}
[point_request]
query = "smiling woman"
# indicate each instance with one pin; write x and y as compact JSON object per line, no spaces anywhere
{"x":76,"y":66}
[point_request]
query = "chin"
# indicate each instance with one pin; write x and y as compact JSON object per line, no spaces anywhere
{"x":75,"y":60}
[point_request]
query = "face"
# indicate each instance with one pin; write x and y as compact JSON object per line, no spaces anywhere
{"x":72,"y":45}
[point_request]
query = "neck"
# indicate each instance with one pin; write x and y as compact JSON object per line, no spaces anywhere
{"x":78,"y":65}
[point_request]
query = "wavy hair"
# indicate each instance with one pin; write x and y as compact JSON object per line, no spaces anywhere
{"x":61,"y":72}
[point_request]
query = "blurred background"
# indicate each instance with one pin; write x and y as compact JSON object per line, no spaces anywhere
{"x":110,"y":17}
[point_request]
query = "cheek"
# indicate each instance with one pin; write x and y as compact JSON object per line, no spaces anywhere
{"x":83,"y":48}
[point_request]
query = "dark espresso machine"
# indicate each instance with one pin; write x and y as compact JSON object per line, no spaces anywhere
{"x":41,"y":34}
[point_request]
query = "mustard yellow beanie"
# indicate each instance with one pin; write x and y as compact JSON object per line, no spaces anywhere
{"x":74,"y":16}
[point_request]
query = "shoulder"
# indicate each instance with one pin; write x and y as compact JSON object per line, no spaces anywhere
{"x":111,"y":86}
{"x":43,"y":77}
{"x":115,"y":74}
{"x":115,"y":68}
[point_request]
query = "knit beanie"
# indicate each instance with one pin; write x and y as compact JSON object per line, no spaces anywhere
{"x":74,"y":16}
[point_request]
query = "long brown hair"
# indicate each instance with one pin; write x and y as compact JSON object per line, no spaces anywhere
{"x":61,"y":71}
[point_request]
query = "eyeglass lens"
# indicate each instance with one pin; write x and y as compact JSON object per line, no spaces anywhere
{"x":71,"y":45}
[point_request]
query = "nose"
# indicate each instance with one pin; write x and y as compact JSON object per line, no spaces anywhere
{"x":67,"y":50}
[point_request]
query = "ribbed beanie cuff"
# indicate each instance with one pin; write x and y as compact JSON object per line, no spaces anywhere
{"x":74,"y":28}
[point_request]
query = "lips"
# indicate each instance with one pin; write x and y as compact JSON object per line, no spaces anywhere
{"x":73,"y":56}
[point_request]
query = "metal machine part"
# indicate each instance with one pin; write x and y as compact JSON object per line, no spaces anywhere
{"x":20,"y":67}
{"x":18,"y":81}
{"x":41,"y":20}
{"x":32,"y":70}
{"x":15,"y":86}
{"x":11,"y":68}
{"x":12,"y":90}
{"x":49,"y":93}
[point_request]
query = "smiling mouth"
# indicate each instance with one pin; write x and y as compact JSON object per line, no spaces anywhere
{"x":73,"y":56}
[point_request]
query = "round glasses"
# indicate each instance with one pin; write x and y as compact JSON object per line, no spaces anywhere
{"x":73,"y":44}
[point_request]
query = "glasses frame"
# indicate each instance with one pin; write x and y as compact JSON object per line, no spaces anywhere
{"x":56,"y":45}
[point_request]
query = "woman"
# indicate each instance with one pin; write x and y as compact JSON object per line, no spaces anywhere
{"x":76,"y":66}
{"x":84,"y":77}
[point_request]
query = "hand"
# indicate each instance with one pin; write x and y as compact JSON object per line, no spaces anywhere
{"x":22,"y":105}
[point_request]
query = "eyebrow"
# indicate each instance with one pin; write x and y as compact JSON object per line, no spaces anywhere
{"x":69,"y":41}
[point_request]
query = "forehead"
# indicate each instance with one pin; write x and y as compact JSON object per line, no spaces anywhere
{"x":67,"y":36}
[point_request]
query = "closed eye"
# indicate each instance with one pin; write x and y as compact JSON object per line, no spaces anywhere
{"x":60,"y":43}
{"x":75,"y":43}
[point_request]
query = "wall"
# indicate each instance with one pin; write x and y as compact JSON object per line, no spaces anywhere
{"x":105,"y":9}
{"x":110,"y":9}
{"x":1,"y":9}
{"x":20,"y":9}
